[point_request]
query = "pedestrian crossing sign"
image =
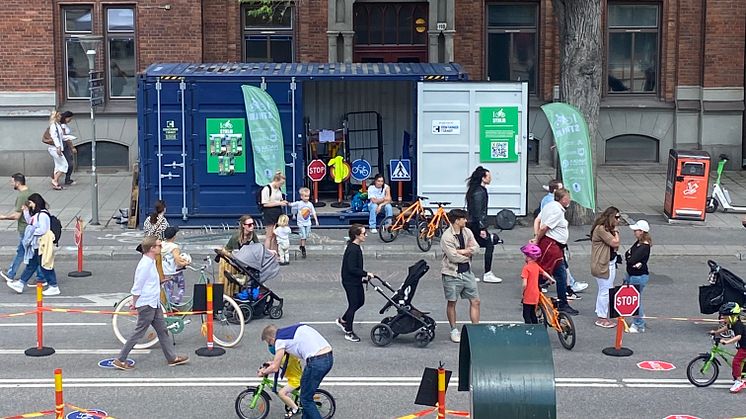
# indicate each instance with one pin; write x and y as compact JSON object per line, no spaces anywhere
{"x":400,"y":170}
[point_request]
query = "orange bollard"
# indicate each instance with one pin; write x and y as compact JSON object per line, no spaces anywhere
{"x":40,"y":349}
{"x":80,"y":273}
{"x":617,"y":350}
{"x":441,"y":393}
{"x":59,"y":404}
{"x":619,"y":333}
{"x":210,"y":349}
{"x":400,"y":190}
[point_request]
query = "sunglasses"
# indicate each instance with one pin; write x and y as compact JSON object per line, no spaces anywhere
{"x":617,"y":216}
{"x":248,"y":224}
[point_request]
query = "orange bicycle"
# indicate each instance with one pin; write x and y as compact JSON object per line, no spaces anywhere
{"x":434,"y":228}
{"x":547,"y":313}
{"x":390,"y":227}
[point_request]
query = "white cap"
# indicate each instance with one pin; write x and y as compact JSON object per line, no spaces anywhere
{"x":641,"y":225}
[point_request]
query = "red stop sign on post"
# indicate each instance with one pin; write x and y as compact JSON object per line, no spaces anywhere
{"x":316,"y":170}
{"x":627,"y":300}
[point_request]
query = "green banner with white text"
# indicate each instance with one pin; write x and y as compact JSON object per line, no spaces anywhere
{"x":265,"y":131}
{"x":573,"y":145}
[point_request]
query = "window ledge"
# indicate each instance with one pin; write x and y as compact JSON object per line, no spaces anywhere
{"x":111,"y":107}
{"x":637,"y":102}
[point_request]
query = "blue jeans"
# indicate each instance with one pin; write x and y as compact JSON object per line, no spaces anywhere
{"x":18,"y":260}
{"x":387,"y":209}
{"x":641,"y":281}
{"x":560,"y":275}
{"x":47,"y":275}
{"x":317,"y":367}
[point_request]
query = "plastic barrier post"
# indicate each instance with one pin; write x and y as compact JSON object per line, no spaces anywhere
{"x":59,"y":404}
{"x":210,"y":349}
{"x":316,"y":202}
{"x":400,"y":190}
{"x":617,"y":350}
{"x":40,"y":349}
{"x":80,"y":273}
{"x":441,"y":393}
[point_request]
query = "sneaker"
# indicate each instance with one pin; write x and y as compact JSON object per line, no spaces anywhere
{"x":303,"y":252}
{"x":70,"y":182}
{"x":16,"y":286}
{"x":179,"y":360}
{"x":6,"y":276}
{"x":477,"y":279}
{"x":738,"y":385}
{"x":373,"y":231}
{"x":340,"y":323}
{"x":634,"y":329}
{"x":574,"y":296}
{"x":352,"y":337}
{"x":51,"y":291}
{"x":565,"y":308}
{"x":579,"y":286}
{"x":124,"y":366}
{"x":455,"y":336}
{"x":490,"y":278}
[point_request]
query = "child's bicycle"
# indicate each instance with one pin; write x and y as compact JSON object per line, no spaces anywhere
{"x":390,"y":227}
{"x":228,"y":323}
{"x":426,"y":230}
{"x":253,"y":402}
{"x":547,"y":313}
{"x":703,"y":370}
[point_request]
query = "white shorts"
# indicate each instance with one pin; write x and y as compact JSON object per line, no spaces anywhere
{"x":60,"y":163}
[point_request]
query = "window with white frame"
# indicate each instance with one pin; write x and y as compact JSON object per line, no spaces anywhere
{"x":633,"y":47}
{"x":268,"y":37}
{"x":121,"y":66}
{"x":76,"y":22}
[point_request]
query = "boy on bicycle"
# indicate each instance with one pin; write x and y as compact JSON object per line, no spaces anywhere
{"x":292,"y":371}
{"x":732,"y":312}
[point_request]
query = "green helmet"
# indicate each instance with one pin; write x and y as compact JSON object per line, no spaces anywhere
{"x":730,"y":309}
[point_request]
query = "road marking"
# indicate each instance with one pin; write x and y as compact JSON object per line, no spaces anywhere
{"x":77,"y":351}
{"x":437,"y":321}
{"x":52,"y":324}
{"x":46,"y":304}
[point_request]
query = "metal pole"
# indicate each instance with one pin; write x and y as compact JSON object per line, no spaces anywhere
{"x":293,"y":154}
{"x":184,"y":210}
{"x":94,"y":177}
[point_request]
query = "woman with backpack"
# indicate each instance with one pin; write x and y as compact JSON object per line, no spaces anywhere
{"x":272,"y":202}
{"x":38,"y":241}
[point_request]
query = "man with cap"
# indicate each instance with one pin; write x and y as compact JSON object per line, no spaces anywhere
{"x":637,"y":267}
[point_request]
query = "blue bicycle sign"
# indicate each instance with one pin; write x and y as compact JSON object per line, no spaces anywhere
{"x":361,"y":170}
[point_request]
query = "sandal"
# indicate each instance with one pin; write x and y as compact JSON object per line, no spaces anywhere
{"x":292,"y":413}
{"x":56,"y":187}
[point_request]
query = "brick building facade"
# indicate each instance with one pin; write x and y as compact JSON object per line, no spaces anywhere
{"x":675,"y":68}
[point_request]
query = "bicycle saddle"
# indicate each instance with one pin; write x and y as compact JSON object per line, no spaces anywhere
{"x":441,"y":204}
{"x":422,"y":197}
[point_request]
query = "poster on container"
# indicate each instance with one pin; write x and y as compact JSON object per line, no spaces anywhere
{"x":225,"y":146}
{"x":498,"y":129}
{"x":265,"y":131}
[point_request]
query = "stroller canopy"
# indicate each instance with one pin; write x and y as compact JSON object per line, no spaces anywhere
{"x":405,"y":293}
{"x":255,"y":256}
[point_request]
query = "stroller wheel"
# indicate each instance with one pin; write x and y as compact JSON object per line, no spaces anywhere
{"x":422,"y":338}
{"x":248,"y":313}
{"x":381,"y":335}
{"x":275,"y":312}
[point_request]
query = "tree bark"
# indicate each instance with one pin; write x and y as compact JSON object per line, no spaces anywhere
{"x":581,"y":58}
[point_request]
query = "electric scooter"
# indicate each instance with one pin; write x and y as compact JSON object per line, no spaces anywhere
{"x":720,"y":195}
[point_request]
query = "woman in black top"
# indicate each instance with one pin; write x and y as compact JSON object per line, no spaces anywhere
{"x":637,"y":267}
{"x":477,"y":200}
{"x":353,"y":276}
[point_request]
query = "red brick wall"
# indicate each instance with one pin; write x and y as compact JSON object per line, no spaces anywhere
{"x":689,"y":39}
{"x":27,"y":46}
{"x":724,"y":43}
{"x":169,"y":35}
{"x":311,"y":43}
{"x":214,"y":29}
{"x":470,"y":41}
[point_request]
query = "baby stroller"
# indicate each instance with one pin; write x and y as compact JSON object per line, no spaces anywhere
{"x":407,"y":318}
{"x":256,"y":266}
{"x":723,"y":286}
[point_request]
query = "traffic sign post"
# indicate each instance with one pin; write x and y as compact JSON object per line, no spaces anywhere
{"x":624,"y":301}
{"x":400,"y":171}
{"x":316,"y":172}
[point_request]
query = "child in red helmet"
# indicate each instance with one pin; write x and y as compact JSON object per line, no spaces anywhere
{"x":530,"y":277}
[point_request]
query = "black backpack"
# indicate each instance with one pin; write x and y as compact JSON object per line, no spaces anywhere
{"x":56,"y":226}
{"x":259,"y":196}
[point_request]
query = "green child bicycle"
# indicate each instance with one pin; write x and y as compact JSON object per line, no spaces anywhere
{"x":703,"y":370}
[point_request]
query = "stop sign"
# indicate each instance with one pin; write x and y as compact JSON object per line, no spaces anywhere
{"x":626,"y":300}
{"x":316,"y":170}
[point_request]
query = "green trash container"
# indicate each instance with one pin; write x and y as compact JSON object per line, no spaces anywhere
{"x":509,"y":371}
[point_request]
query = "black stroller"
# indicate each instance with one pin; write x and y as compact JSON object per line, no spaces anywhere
{"x":256,"y":266}
{"x":407,"y":318}
{"x":723,"y":286}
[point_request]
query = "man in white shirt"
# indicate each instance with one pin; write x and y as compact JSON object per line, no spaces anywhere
{"x":146,"y":292}
{"x":306,"y":344}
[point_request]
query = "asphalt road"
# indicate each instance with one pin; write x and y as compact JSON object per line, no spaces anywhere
{"x":367,"y":382}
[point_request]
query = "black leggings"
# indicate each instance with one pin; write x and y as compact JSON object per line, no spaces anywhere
{"x":488,"y":246}
{"x":529,"y":314}
{"x":355,"y":300}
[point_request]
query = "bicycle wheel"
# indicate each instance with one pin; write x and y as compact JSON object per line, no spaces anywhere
{"x":385,"y":231}
{"x":124,"y":325}
{"x":324,"y":403}
{"x":567,"y":331}
{"x":701,"y":371}
{"x":423,"y":242}
{"x":244,"y":402}
{"x":228,"y":324}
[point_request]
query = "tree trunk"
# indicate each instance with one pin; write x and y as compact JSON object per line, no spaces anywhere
{"x":580,"y":41}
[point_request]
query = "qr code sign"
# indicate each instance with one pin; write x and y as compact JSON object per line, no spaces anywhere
{"x":499,"y":150}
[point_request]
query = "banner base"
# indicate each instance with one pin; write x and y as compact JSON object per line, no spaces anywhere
{"x":621,"y":352}
{"x":208,"y":352}
{"x":36,"y":352}
{"x":342,"y":204}
{"x":79,"y":274}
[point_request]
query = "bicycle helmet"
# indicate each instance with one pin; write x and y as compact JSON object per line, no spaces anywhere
{"x":730,"y":309}
{"x":531,"y":250}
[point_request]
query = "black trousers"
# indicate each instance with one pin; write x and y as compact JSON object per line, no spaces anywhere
{"x":488,"y":246}
{"x":68,"y":153}
{"x":355,"y":300}
{"x":529,"y":314}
